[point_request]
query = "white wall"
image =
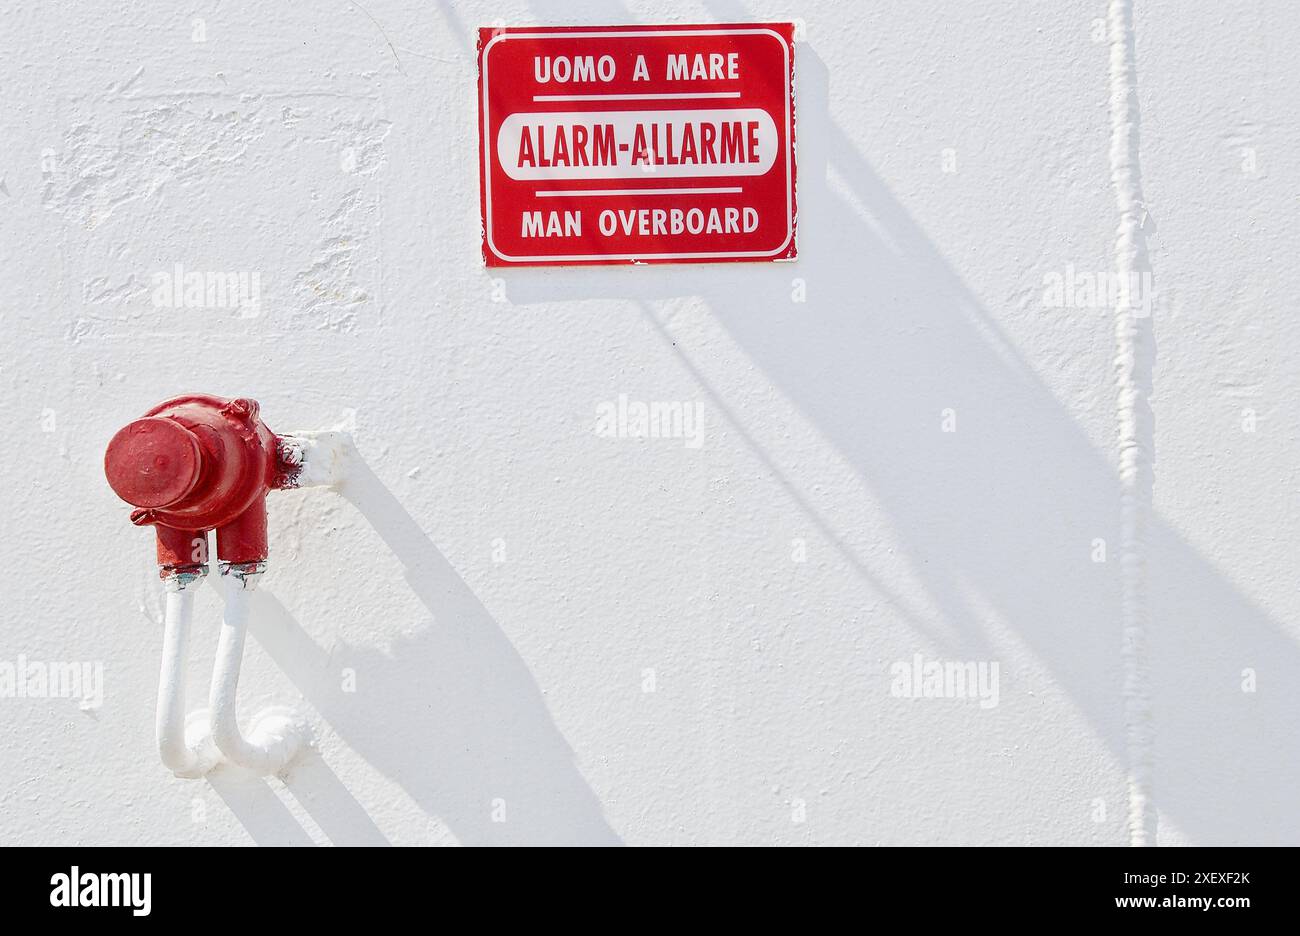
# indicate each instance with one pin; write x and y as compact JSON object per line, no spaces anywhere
{"x":128,"y":148}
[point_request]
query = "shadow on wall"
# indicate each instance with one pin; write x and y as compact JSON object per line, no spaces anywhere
{"x":316,"y":788}
{"x":1002,"y":512}
{"x":500,"y":744}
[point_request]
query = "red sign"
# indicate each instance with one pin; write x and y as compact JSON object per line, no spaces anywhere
{"x":637,"y":144}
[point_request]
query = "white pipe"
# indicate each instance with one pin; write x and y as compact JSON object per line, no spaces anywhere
{"x":1134,"y":369}
{"x":320,"y":457}
{"x":276,"y":738}
{"x":176,"y":753}
{"x":277,"y":735}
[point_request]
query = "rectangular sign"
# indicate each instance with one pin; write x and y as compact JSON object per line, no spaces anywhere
{"x":637,"y":144}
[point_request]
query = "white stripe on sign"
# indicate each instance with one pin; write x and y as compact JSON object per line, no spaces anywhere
{"x":575,"y":193}
{"x":689,"y":96}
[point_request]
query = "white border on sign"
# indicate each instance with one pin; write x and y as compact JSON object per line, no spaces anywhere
{"x":487,"y":157}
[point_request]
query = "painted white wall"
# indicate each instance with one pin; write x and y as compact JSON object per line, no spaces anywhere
{"x":331,"y":148}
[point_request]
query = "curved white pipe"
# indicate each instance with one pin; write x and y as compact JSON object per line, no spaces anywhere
{"x":276,"y":738}
{"x":169,"y":725}
{"x":277,"y":735}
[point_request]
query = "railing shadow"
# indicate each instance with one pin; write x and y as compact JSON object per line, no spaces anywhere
{"x":472,"y":742}
{"x":998,"y":517}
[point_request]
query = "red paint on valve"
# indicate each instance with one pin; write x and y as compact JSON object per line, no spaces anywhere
{"x":197,"y":463}
{"x":153,"y":462}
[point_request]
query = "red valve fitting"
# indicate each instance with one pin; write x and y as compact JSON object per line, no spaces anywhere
{"x":197,"y":463}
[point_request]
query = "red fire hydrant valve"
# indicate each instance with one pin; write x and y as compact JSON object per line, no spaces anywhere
{"x":197,"y":463}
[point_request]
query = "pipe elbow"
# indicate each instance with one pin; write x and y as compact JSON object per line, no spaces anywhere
{"x":276,"y":736}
